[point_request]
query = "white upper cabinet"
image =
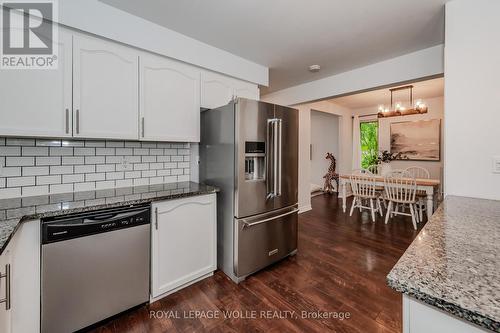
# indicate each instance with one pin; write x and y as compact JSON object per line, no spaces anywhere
{"x":105,"y":89}
{"x":37,"y":102}
{"x":218,"y":90}
{"x":169,"y":100}
{"x":246,"y":90}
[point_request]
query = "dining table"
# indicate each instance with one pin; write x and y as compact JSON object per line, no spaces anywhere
{"x":425,"y":185}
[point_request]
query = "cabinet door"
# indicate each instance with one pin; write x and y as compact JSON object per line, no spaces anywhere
{"x":105,"y":87}
{"x":169,"y":99}
{"x":246,"y":90}
{"x":37,"y":102}
{"x":5,"y":314}
{"x":183,"y":242}
{"x":216,"y":90}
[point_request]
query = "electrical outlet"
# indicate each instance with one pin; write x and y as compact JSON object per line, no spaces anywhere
{"x":496,"y":164}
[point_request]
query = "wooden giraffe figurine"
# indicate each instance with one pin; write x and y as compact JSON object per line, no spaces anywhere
{"x":331,"y":175}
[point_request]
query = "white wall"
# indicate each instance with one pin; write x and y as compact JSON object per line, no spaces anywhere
{"x":416,"y":65}
{"x":98,"y":18}
{"x":472,"y":72}
{"x":436,"y":111}
{"x":345,"y":145}
{"x":324,"y":138}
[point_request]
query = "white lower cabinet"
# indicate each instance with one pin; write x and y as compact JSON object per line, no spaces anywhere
{"x":422,"y":318}
{"x":184,"y":243}
{"x":22,"y":255}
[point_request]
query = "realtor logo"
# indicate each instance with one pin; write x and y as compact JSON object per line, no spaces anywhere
{"x":28,"y":35}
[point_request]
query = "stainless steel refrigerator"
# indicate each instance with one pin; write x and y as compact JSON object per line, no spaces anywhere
{"x":249,"y":149}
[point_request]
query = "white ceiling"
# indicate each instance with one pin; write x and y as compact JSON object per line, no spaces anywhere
{"x":289,"y":35}
{"x":421,"y":90}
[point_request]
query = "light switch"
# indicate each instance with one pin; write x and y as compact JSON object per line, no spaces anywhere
{"x":496,"y":164}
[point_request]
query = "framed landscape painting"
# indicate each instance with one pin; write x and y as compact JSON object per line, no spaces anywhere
{"x":417,"y":140}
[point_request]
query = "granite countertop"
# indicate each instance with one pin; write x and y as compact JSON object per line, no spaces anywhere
{"x":454,"y":264}
{"x":17,"y":210}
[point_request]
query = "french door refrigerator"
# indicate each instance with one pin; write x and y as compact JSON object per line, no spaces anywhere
{"x":249,"y":149}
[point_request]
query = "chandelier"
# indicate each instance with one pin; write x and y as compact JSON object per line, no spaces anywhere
{"x":400,"y":108}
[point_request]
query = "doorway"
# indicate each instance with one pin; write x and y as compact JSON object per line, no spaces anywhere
{"x":324,"y":139}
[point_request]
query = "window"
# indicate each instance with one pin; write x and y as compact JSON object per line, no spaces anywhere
{"x":369,"y":143}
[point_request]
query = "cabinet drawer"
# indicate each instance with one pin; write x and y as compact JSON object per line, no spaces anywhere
{"x":259,"y":243}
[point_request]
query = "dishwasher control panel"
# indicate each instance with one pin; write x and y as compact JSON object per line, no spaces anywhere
{"x":77,"y":225}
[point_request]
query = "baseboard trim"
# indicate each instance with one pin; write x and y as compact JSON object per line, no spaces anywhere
{"x":304,"y":209}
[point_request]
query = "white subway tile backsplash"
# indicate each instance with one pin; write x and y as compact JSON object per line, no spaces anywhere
{"x":48,"y":143}
{"x":35,"y":151}
{"x":10,"y":151}
{"x":124,"y":182}
{"x":35,"y":190}
{"x":141,"y":166}
{"x":72,"y":160}
{"x":84,"y":168}
{"x":104,"y":185}
{"x":115,"y":175}
{"x":88,"y":186}
{"x":163,"y":158}
{"x":155,"y":166}
{"x":61,"y":151}
{"x":141,"y":181}
{"x":56,"y":160}
{"x":93,"y":177}
{"x":20,"y":181}
{"x":10,"y":192}
{"x":11,"y":172}
{"x":20,"y":142}
{"x":141,"y":151}
{"x":105,"y":151}
{"x":148,"y":145}
{"x":133,"y":174}
{"x":19,"y":161}
{"x":84,"y":151}
{"x":114,"y":159}
{"x":72,"y":143}
{"x":95,"y":159}
{"x":115,"y":144}
{"x":61,"y":188}
{"x":124,"y":151}
{"x":33,"y":167}
{"x":35,"y":171}
{"x":148,"y":173}
{"x":47,"y":180}
{"x":184,"y":178}
{"x":76,"y":178}
{"x":105,"y":168}
{"x":61,"y":169}
{"x":149,"y":159}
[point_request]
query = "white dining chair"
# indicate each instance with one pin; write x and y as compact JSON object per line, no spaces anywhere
{"x":420,"y":173}
{"x":374,"y":169}
{"x":400,"y":191}
{"x":363,"y":188}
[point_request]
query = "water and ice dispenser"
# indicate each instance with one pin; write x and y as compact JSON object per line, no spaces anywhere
{"x":255,"y":160}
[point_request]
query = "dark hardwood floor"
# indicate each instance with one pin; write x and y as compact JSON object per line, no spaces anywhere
{"x":339,"y":270}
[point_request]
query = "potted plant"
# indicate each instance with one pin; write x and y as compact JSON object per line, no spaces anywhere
{"x":385,"y":158}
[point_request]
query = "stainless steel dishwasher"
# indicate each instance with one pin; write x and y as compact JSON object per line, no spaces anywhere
{"x":94,"y":265}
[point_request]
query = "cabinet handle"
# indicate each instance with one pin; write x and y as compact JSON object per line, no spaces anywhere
{"x":156,"y":218}
{"x":6,"y":300}
{"x":142,"y":126}
{"x":67,"y":121}
{"x":77,"y":121}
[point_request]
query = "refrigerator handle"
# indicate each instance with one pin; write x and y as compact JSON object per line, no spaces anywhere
{"x":275,"y":157}
{"x":280,"y":156}
{"x":270,"y":161}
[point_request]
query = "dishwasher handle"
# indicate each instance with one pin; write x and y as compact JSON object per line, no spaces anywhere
{"x":112,"y":217}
